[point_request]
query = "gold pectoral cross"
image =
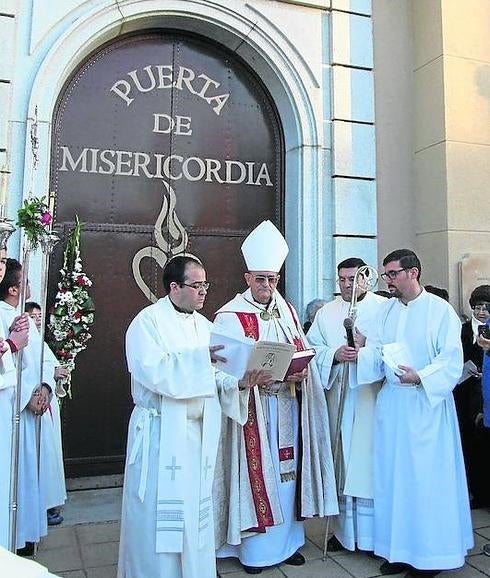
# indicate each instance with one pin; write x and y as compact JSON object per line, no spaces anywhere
{"x":266,"y":315}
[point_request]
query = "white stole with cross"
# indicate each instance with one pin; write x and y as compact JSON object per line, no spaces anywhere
{"x":168,"y":358}
{"x":172,"y":472}
{"x":174,"y":452}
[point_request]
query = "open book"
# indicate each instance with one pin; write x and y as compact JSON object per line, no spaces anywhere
{"x":245,"y":353}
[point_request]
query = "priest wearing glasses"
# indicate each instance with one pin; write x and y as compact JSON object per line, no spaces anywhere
{"x":167,"y":528}
{"x":260,"y":496}
{"x":422,"y":522}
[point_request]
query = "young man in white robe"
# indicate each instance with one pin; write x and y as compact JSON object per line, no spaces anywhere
{"x":422,"y":521}
{"x":277,"y":468}
{"x":10,"y":343}
{"x":353,"y":527}
{"x":167,"y":528}
{"x":35,"y":397}
{"x":52,"y":471}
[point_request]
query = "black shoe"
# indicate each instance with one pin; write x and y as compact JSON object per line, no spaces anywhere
{"x":388,"y":568}
{"x":415,"y":573}
{"x":251,"y":569}
{"x":54,"y":517}
{"x":296,"y":559}
{"x":27,"y":550}
{"x":334,"y":545}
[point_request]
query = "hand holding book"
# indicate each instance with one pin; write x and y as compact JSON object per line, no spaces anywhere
{"x":297,"y":370}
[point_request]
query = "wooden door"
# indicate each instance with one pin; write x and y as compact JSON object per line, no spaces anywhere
{"x":162,"y":143}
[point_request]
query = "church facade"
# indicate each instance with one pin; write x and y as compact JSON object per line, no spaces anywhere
{"x":178,"y":125}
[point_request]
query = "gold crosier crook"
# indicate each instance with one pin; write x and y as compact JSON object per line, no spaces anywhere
{"x":366,"y":278}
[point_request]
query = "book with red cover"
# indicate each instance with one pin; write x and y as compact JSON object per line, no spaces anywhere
{"x":300,"y":360}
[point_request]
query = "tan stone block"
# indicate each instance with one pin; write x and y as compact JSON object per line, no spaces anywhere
{"x":429,"y":106}
{"x":466,"y":30}
{"x":315,"y":569}
{"x":467,"y":96}
{"x":430,"y":189}
{"x":432,"y":250}
{"x":102,"y":572}
{"x":427,"y":31}
{"x":461,"y":243}
{"x":98,"y":533}
{"x":7,"y":35}
{"x":228,"y":565}
{"x":468,"y":178}
{"x":60,"y":537}
{"x":73,"y":574}
{"x":60,"y":559}
{"x":9,"y":6}
{"x":102,"y":554}
{"x":4,"y":111}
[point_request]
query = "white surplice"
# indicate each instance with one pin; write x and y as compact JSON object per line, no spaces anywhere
{"x":7,"y":391}
{"x":31,"y":512}
{"x":354,"y":525}
{"x":422,"y":514}
{"x":52,"y":471}
{"x":167,"y":528}
{"x":284,"y":534}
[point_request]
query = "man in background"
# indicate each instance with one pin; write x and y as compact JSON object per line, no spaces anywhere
{"x":334,"y":356}
{"x":11,"y":341}
{"x":35,"y":397}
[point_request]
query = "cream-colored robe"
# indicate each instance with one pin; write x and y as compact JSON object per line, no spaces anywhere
{"x":234,"y":506}
{"x":354,"y":526}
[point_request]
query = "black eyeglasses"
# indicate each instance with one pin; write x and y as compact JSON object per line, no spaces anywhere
{"x":263,"y":279}
{"x":393,"y":274}
{"x":198,"y":285}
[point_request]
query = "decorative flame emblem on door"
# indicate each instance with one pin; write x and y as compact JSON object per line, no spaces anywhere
{"x":171,"y":239}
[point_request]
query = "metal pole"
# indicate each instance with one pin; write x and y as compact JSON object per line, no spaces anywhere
{"x":14,"y":471}
{"x":47,"y":245}
{"x":337,"y":455}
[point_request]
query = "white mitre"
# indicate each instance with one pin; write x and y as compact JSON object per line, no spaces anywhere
{"x":265,"y":249}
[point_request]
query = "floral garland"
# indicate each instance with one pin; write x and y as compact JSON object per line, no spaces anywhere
{"x":35,"y":218}
{"x":73,"y":311}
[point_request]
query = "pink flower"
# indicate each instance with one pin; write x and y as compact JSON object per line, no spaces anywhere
{"x":46,"y":218}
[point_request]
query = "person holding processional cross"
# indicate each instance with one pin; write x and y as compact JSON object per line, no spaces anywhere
{"x":35,"y":397}
{"x":11,"y":341}
{"x":167,"y":528}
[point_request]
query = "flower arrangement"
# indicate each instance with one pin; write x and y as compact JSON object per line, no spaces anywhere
{"x":35,"y":218}
{"x":73,"y":312}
